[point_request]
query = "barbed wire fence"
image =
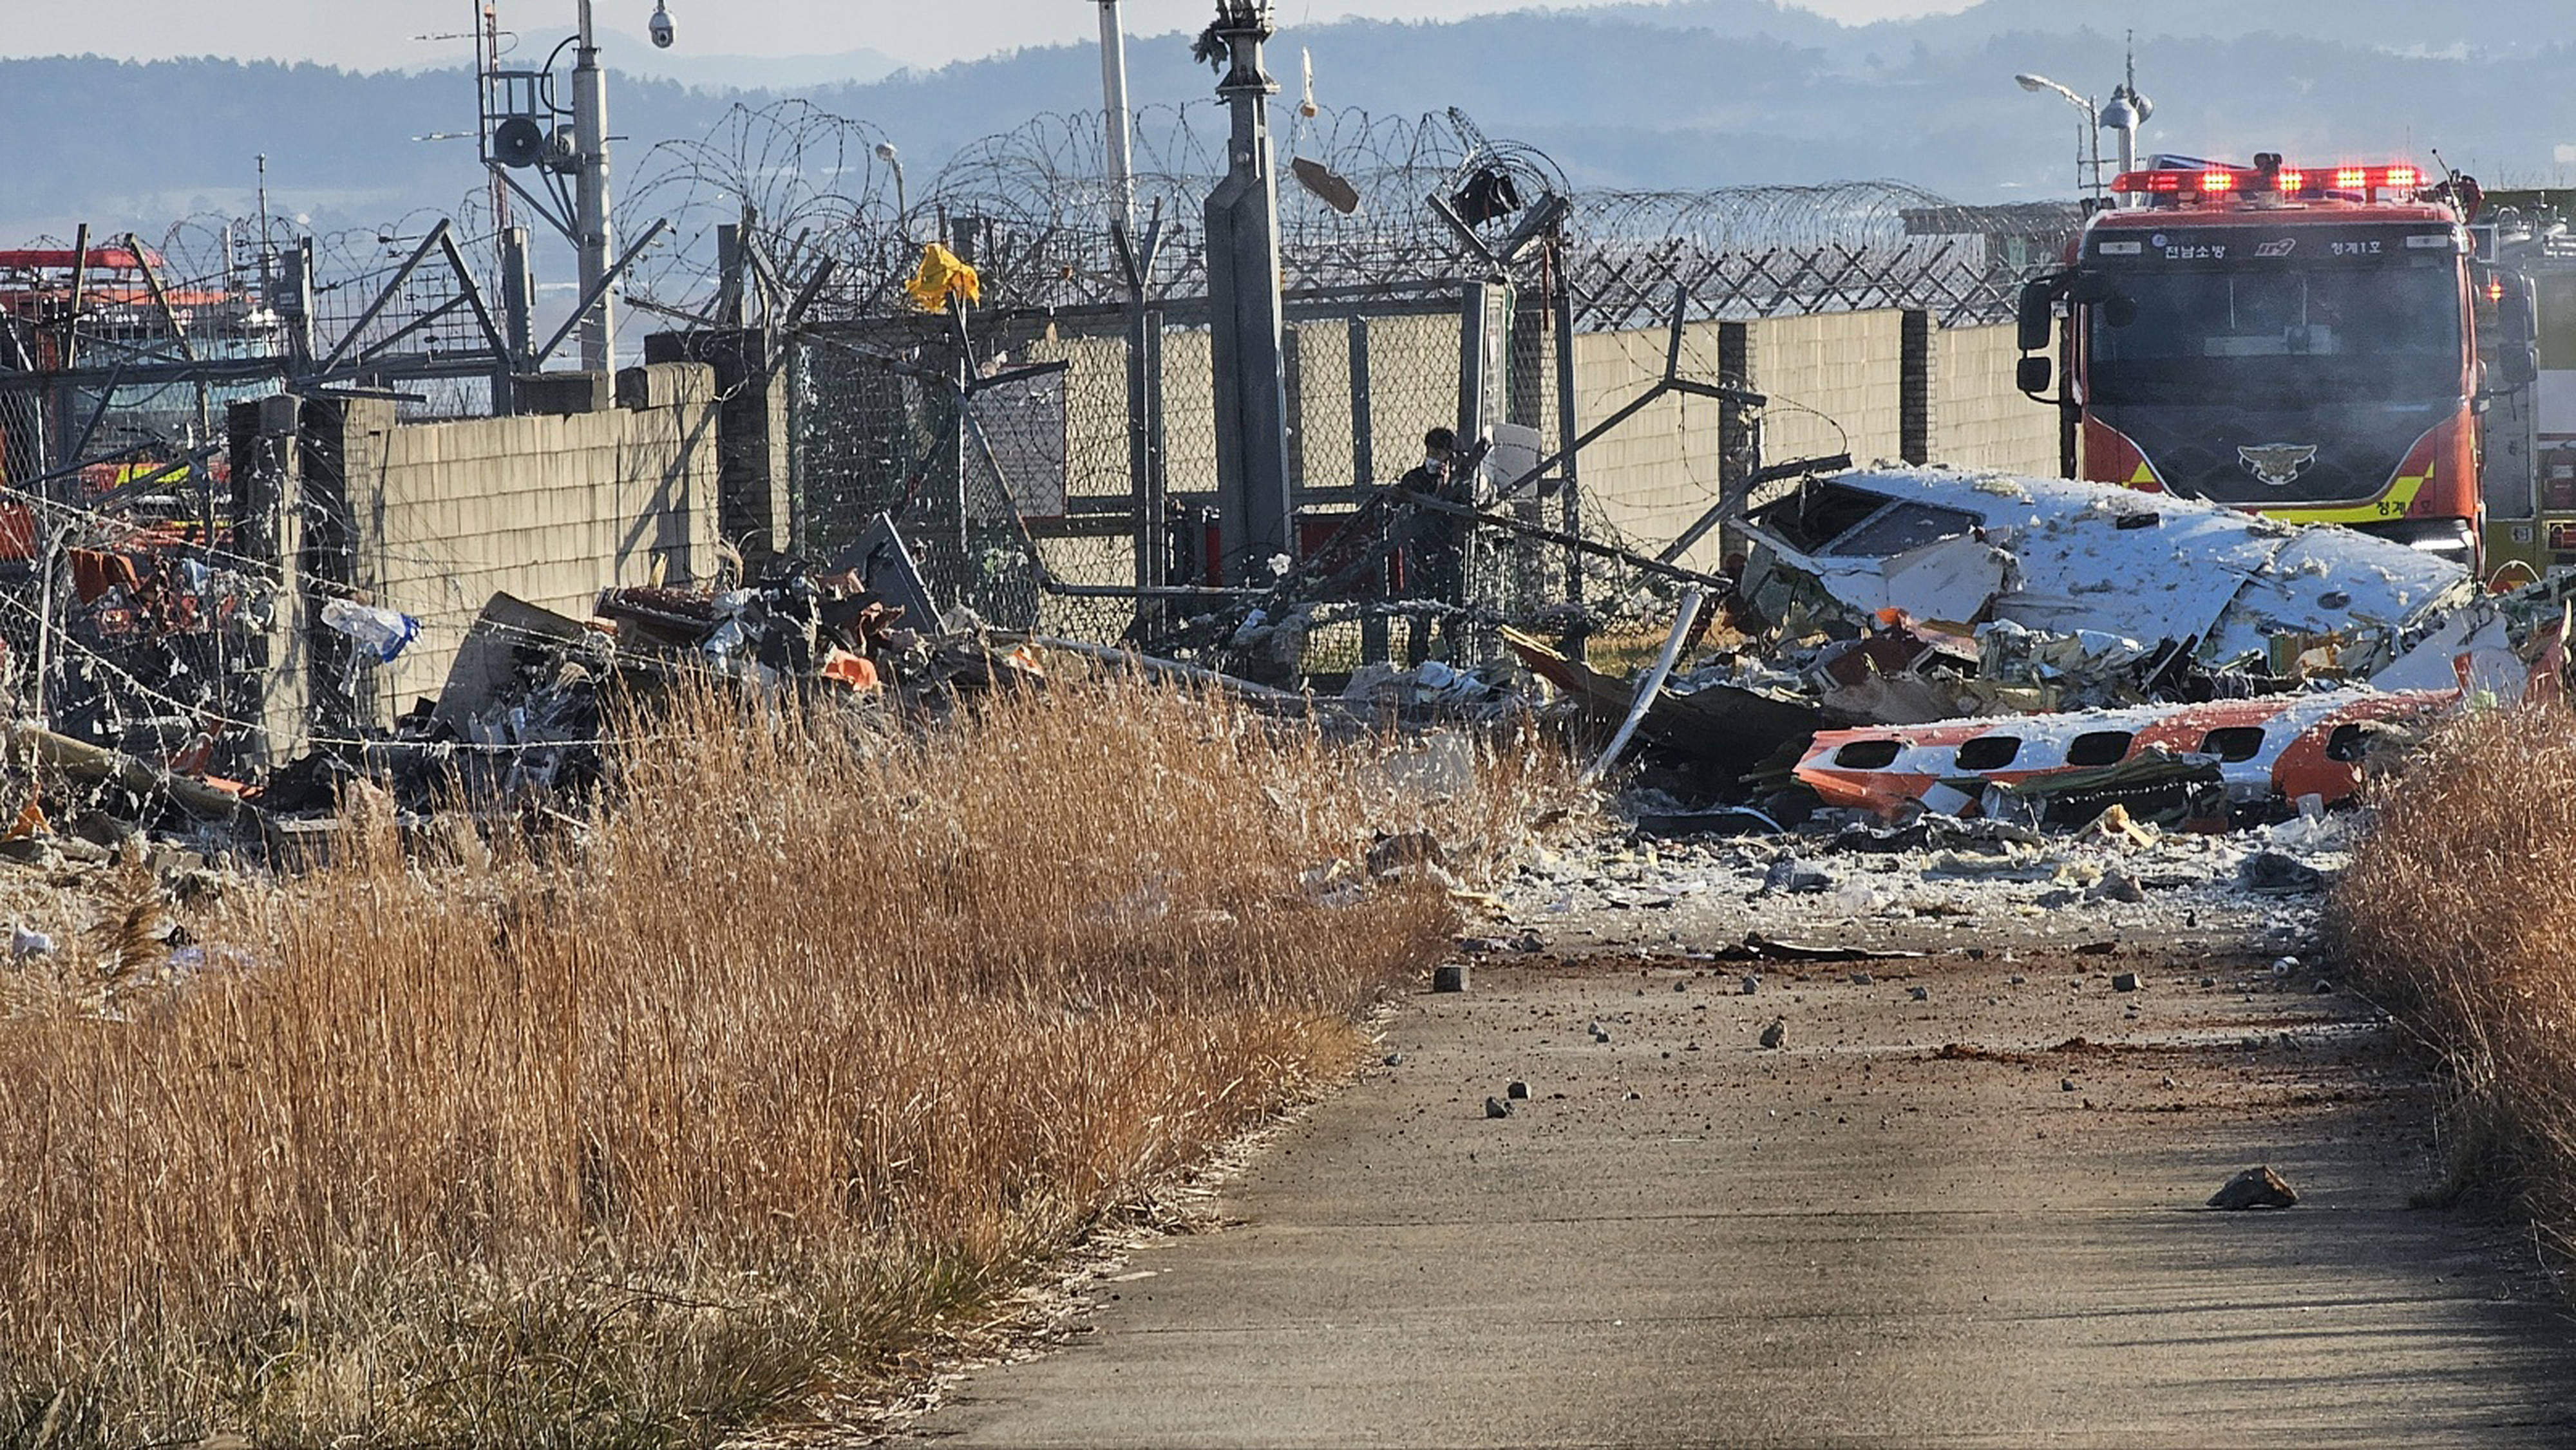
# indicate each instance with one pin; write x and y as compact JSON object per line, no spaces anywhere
{"x":1016,"y":451}
{"x":1377,"y":286}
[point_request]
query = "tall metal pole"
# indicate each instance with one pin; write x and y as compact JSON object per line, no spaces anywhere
{"x":590,"y":136}
{"x":1256,"y":517}
{"x":1114,"y":117}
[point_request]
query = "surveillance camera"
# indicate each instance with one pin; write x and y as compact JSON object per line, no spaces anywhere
{"x":662,"y":32}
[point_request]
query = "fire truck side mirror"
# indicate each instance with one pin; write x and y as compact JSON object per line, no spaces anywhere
{"x":2038,"y":316}
{"x":2033,"y":375}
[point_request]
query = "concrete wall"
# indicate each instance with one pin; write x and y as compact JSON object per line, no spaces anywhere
{"x":1979,"y":419}
{"x":549,"y":508}
{"x":1845,"y":366}
{"x":1658,"y":472}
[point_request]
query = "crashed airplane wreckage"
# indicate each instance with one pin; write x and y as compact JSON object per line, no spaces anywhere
{"x":2041,"y":649}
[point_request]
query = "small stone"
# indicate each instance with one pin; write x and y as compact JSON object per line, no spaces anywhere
{"x":2255,"y":1188}
{"x":2324,"y":987}
{"x":1682,"y":986}
{"x":1392,"y":1059}
{"x":1632,"y":1097}
{"x":1796,"y":878}
{"x":1449,"y":978}
{"x":1749,"y":986}
{"x":2066,"y":1084}
{"x":2119,"y":886}
{"x":2269,"y":873}
{"x":1861,"y":979}
{"x":1517,"y":1092}
{"x":1919,"y":994}
{"x":2284,"y":966}
{"x":1776,"y":1033}
{"x":2019,"y":980}
{"x":2097,"y":949}
{"x":1497,"y":1108}
{"x":2124,"y":981}
{"x":2209,"y":981}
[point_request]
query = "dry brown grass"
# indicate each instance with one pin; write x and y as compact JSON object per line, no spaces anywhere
{"x":2458,"y":914}
{"x":814,"y":1040}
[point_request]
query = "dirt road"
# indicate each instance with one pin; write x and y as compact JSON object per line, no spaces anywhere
{"x":1969,"y":1218}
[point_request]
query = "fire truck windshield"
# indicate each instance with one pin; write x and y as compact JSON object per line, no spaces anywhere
{"x":2278,"y":337}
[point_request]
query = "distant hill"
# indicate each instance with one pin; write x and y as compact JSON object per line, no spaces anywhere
{"x":1692,"y":94}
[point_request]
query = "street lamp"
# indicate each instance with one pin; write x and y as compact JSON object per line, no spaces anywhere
{"x":2088,"y":132}
{"x":902,"y":210}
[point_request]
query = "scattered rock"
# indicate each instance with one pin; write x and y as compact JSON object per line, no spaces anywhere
{"x":2066,"y":1084}
{"x":2119,"y":886}
{"x":1750,"y":985}
{"x":2124,"y":981}
{"x":1392,"y":1059}
{"x":2097,"y":949}
{"x":2018,"y":980}
{"x":1529,"y":941}
{"x":2255,"y":1188}
{"x":2269,"y":873}
{"x":1517,"y":1092}
{"x":1862,"y":979}
{"x":1497,"y":1108}
{"x":1632,"y":1097}
{"x":1791,"y":877}
{"x":1411,"y":848}
{"x":1919,"y":994}
{"x":1683,"y":985}
{"x":1776,"y":1033}
{"x":1449,"y":978}
{"x":26,"y":943}
{"x":2284,"y":966}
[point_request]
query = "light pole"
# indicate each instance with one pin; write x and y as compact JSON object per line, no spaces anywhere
{"x":2088,"y":134}
{"x":1256,"y":516}
{"x":1113,"y":98}
{"x":521,"y":132}
{"x":590,"y":141}
{"x":902,"y":210}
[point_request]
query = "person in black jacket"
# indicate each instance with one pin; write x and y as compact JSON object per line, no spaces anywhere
{"x":1433,"y":544}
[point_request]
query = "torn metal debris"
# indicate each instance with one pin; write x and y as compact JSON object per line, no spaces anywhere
{"x":2257,"y":752}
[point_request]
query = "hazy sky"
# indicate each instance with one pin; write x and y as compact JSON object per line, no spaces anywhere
{"x":376,"y":34}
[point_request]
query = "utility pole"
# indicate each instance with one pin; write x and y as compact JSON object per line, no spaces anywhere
{"x":1114,"y":119}
{"x":1256,"y":519}
{"x":590,"y":140}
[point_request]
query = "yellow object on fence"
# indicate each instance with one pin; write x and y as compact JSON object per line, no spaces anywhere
{"x":943,"y":276}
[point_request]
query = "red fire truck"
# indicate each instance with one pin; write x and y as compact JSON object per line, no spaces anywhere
{"x":2314,"y":344}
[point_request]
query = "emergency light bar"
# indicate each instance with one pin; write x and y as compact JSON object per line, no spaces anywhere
{"x":2288,"y":181}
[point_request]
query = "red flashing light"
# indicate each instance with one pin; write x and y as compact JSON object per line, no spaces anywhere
{"x":2288,"y":181}
{"x":2148,"y":183}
